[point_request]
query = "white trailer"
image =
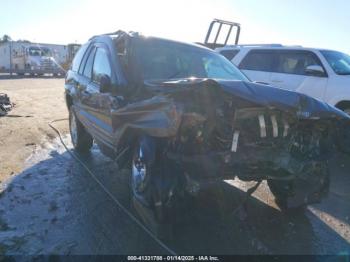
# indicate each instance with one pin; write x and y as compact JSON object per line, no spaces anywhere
{"x":35,"y":58}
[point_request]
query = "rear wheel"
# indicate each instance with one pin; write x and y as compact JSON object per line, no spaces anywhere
{"x":82,"y":141}
{"x":147,"y":199}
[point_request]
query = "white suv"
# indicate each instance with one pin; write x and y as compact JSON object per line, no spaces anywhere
{"x":323,"y":74}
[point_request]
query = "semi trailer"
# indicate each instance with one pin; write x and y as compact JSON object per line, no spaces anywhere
{"x":35,"y":59}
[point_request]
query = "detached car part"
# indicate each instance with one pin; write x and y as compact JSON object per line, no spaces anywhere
{"x":5,"y":104}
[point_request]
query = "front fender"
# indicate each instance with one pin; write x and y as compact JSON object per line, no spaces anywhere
{"x":148,"y":147}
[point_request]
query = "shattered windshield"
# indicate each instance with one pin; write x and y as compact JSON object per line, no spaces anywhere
{"x":339,"y":62}
{"x":160,"y":59}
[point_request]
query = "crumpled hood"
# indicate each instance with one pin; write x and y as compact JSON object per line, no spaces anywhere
{"x":158,"y":109}
{"x":303,"y":105}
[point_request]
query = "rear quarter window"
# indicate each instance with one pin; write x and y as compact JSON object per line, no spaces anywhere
{"x":258,"y":60}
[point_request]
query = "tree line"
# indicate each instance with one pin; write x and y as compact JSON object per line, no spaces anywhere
{"x":6,"y":38}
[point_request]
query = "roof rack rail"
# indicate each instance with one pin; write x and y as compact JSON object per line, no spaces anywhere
{"x":116,"y":33}
{"x":252,"y":45}
{"x":262,"y":45}
{"x":214,"y":44}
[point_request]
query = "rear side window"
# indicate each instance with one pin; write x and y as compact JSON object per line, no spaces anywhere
{"x":229,"y":54}
{"x":295,"y":62}
{"x":101,"y":65}
{"x":258,"y":60}
{"x":78,"y":57}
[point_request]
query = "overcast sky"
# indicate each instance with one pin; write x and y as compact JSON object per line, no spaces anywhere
{"x":313,"y":23}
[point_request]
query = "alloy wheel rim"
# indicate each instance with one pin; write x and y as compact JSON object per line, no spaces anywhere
{"x":139,"y":172}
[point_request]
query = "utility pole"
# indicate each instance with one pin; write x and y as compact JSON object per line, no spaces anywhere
{"x":11,"y":58}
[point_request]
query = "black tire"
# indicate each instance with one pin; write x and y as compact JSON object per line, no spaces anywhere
{"x":295,"y":195}
{"x":281,"y":190}
{"x":82,"y":141}
{"x":144,"y":195}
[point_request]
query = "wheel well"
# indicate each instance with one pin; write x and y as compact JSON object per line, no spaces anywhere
{"x":69,"y":101}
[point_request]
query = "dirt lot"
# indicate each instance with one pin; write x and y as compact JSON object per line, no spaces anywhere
{"x":52,"y":206}
{"x":38,"y":101}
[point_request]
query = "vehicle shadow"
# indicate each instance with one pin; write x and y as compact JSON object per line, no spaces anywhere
{"x":54,"y":207}
{"x":220,"y":225}
{"x":334,"y":210}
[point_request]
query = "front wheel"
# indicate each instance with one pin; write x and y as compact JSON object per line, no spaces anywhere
{"x":82,"y":141}
{"x":308,"y":188}
{"x":147,"y":200}
{"x":282,"y":191}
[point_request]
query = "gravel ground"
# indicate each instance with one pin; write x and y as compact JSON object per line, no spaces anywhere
{"x":37,"y":102}
{"x":52,"y":206}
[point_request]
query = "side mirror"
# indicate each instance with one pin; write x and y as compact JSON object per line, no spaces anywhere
{"x":315,"y":70}
{"x":105,"y":84}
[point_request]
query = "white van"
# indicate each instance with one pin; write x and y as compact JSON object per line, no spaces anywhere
{"x":323,"y":74}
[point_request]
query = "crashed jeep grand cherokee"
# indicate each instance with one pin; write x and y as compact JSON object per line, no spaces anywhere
{"x":181,"y":115}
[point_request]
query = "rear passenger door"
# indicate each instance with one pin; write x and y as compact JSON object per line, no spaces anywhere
{"x":290,"y":73}
{"x":257,"y":65}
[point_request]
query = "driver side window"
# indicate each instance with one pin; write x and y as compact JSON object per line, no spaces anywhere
{"x":101,"y":65}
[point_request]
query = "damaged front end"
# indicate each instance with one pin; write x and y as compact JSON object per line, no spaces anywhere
{"x":260,"y":144}
{"x":235,"y":137}
{"x":214,"y":130}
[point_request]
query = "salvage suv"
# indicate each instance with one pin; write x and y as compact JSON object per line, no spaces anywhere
{"x":181,"y":114}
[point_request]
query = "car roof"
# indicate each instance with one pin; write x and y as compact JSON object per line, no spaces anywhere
{"x":195,"y":45}
{"x":117,"y":34}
